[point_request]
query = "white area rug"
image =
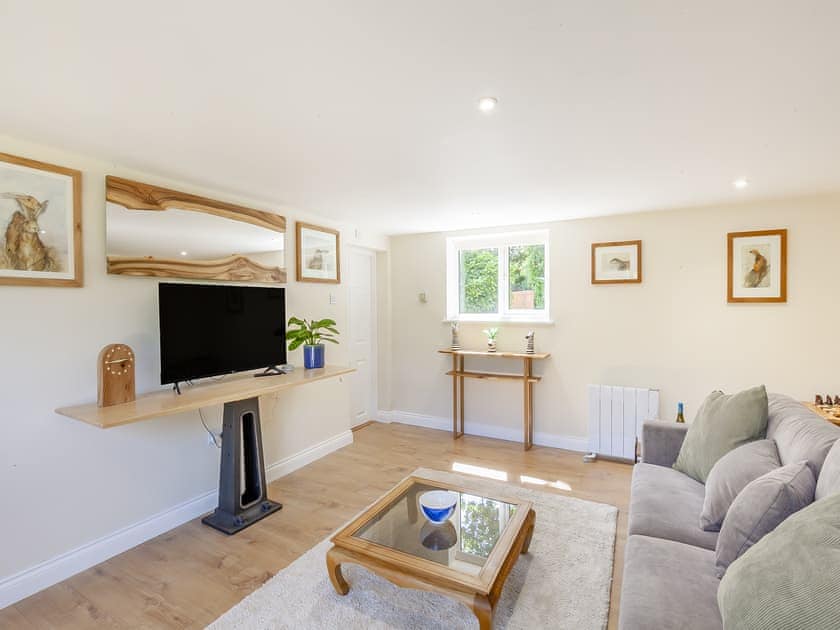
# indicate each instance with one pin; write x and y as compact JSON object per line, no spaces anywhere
{"x":563,"y":582}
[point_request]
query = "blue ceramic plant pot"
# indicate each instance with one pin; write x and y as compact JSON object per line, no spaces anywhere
{"x":313,"y":356}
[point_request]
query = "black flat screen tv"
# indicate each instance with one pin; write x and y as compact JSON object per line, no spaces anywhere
{"x":209,"y":330}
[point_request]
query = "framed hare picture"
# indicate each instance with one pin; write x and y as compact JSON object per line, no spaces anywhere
{"x":40,"y":223}
{"x":757,"y":266}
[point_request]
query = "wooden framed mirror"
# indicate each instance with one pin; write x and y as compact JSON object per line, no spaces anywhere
{"x":154,"y":231}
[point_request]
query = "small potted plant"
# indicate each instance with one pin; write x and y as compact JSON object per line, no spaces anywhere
{"x":491,"y":338}
{"x":310,"y":335}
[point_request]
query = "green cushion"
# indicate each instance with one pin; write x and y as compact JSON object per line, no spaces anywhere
{"x":722,"y":423}
{"x":789,"y":579}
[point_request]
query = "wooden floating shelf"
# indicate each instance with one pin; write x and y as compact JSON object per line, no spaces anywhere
{"x":498,"y":354}
{"x":167,"y":402}
{"x":491,"y":376}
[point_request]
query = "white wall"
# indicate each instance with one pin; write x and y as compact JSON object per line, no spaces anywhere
{"x":63,"y":483}
{"x":675,"y":331}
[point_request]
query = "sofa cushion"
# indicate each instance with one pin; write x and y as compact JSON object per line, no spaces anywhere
{"x":789,"y":579}
{"x":760,"y":507}
{"x":665,"y":503}
{"x":829,"y":481}
{"x":668,"y":586}
{"x":722,"y":423}
{"x":731,"y":474}
{"x":799,"y":433}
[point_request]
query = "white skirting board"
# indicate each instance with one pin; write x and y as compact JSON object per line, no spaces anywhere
{"x":512,"y":434}
{"x":29,"y":581}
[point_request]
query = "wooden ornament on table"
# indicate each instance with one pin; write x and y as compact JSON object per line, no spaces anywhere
{"x":115,"y":375}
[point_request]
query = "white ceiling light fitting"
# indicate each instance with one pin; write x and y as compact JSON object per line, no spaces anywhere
{"x":487,"y":103}
{"x":740,"y":183}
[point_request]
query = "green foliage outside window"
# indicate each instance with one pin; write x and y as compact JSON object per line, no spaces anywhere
{"x":479,"y":280}
{"x":527,"y":271}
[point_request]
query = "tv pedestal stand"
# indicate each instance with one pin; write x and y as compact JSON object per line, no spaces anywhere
{"x":271,"y":370}
{"x":240,"y":504}
{"x":242,"y":455}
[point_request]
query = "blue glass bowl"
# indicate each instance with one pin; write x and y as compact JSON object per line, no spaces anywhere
{"x":438,"y":505}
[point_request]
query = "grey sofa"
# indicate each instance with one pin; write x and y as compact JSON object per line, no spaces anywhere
{"x":669,"y":578}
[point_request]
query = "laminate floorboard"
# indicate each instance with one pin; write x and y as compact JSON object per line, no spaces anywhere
{"x":192,"y":574}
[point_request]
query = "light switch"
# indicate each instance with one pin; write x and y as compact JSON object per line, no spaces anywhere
{"x":332,"y":298}
{"x":422,"y":297}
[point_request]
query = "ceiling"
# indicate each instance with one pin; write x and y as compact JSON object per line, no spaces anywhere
{"x":365,"y":111}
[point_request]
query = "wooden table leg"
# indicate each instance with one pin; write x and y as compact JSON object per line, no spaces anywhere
{"x":334,"y":570}
{"x":484,"y":611}
{"x":528,"y":408}
{"x":530,"y":522}
{"x":531,"y":412}
{"x":461,"y":395}
{"x":454,"y":396}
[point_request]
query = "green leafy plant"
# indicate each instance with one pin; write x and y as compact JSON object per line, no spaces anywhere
{"x":311,"y":333}
{"x":491,"y":333}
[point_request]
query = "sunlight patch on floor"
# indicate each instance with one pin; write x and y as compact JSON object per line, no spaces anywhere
{"x":481,"y":471}
{"x":560,"y":485}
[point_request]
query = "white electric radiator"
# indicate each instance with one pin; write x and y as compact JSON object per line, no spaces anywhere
{"x":615,"y":418}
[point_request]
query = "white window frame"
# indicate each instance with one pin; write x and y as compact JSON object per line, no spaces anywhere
{"x":502,"y":242}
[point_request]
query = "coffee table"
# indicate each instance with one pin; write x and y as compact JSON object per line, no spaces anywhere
{"x":467,"y":558}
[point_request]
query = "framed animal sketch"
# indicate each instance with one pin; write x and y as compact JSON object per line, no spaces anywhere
{"x":757,"y":266}
{"x":618,"y":262}
{"x":318,"y":254}
{"x":40,"y":223}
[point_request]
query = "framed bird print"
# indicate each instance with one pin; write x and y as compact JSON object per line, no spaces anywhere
{"x":318,"y":254}
{"x":618,"y":262}
{"x":757,"y":266}
{"x":40,"y":223}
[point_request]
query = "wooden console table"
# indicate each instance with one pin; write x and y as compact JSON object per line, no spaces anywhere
{"x":527,"y":378}
{"x":243,"y":489}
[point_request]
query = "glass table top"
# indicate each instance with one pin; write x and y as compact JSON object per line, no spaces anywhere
{"x":463,"y":543}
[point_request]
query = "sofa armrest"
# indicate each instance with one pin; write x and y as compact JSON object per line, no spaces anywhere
{"x":661,"y":442}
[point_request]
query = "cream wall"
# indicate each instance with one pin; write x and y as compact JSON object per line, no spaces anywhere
{"x":64,"y":484}
{"x":675,"y":331}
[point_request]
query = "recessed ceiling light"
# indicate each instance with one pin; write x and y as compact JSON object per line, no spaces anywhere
{"x":487,"y":103}
{"x":183,"y":253}
{"x":740,"y":183}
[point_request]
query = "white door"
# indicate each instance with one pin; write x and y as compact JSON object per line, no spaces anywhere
{"x":362,"y":311}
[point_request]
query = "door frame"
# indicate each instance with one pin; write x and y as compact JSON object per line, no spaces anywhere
{"x":373,"y":401}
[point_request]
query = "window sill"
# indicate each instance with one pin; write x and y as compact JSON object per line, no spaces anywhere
{"x":501,"y":320}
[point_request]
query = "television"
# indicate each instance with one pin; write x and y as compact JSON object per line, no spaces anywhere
{"x":210,"y":330}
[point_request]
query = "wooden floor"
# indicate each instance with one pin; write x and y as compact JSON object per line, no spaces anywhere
{"x":189,"y":576}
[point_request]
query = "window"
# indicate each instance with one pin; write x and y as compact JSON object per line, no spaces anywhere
{"x":498,"y":277}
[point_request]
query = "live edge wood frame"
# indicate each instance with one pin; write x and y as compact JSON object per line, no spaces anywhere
{"x":479,"y":593}
{"x":135,"y":195}
{"x":74,"y":226}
